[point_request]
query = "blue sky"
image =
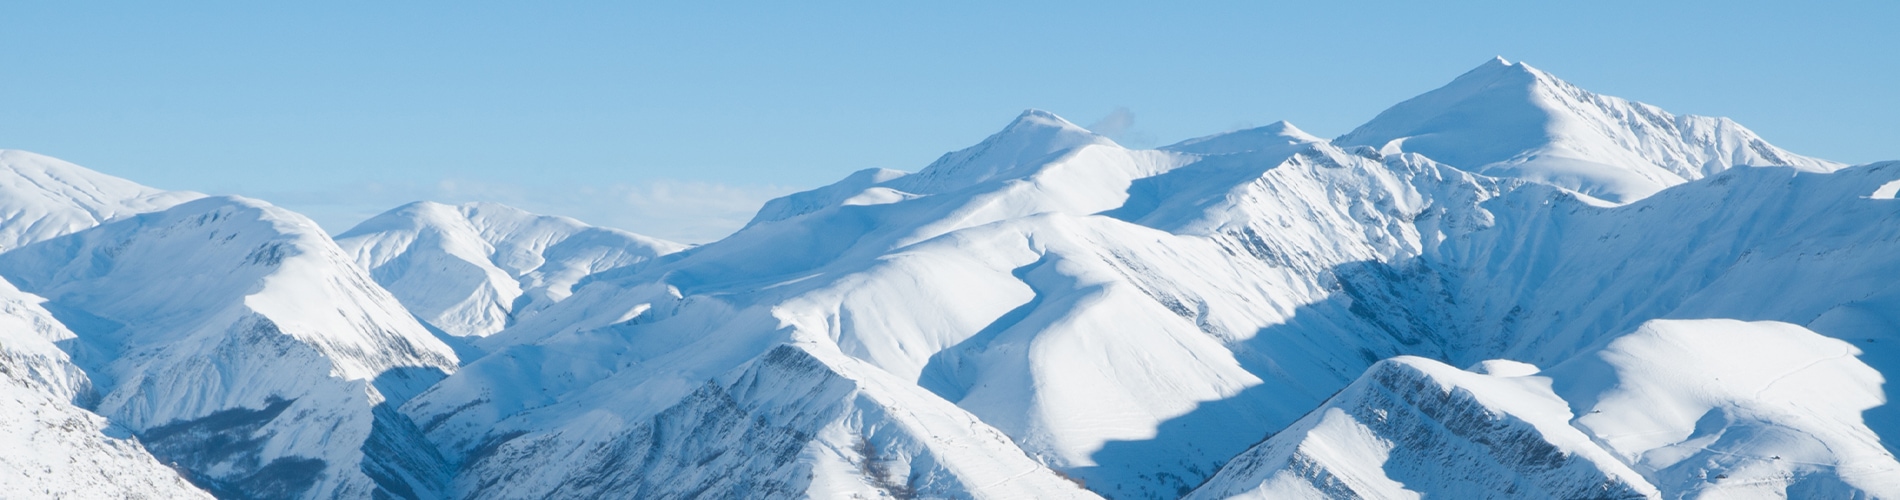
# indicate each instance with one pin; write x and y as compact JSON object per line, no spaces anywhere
{"x":677,"y":120}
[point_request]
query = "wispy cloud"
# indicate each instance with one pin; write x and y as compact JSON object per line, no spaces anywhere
{"x":683,"y":211}
{"x":1119,"y":125}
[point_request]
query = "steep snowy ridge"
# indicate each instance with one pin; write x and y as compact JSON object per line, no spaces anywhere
{"x":1026,"y":143}
{"x":727,"y":296}
{"x":1758,"y":410}
{"x":472,"y":269}
{"x":1412,"y":426}
{"x":42,"y":197}
{"x":1077,"y":335}
{"x":1511,"y":120}
{"x":1287,"y":266}
{"x":29,"y":355}
{"x":1326,"y":235}
{"x":1755,"y":410}
{"x":239,"y":379}
{"x":789,"y":423}
{"x":1551,"y":279}
{"x":72,"y":452}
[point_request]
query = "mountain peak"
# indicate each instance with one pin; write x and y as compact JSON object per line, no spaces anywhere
{"x":1285,"y":128}
{"x":1498,"y":66}
{"x":1512,"y":120}
{"x":44,"y":197}
{"x":1034,"y":135}
{"x":1036,"y":118}
{"x":470,"y":269}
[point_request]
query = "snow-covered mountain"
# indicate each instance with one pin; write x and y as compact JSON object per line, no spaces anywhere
{"x":1412,"y":425}
{"x":1128,"y":318}
{"x":472,"y":269}
{"x":1046,"y":314}
{"x":238,"y":342}
{"x":1759,"y":409}
{"x":1676,"y":409}
{"x":1511,"y":120}
{"x":42,"y":197}
{"x":55,"y":448}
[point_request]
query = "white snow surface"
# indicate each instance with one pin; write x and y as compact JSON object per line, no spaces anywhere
{"x":1412,"y":427}
{"x":225,"y":310}
{"x":1511,"y":120}
{"x":29,"y":354}
{"x":42,"y":197}
{"x":1731,"y":409}
{"x":1256,"y":313}
{"x":1676,"y":409}
{"x":472,"y":269}
{"x":55,"y":449}
{"x":1136,"y":318}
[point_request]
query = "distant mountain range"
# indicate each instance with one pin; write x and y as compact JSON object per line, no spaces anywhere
{"x":1508,"y":287}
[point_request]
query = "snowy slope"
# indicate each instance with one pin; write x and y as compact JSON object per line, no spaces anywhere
{"x":1728,"y":409}
{"x":1675,"y":409}
{"x":1093,"y":342}
{"x":660,"y":342}
{"x":1261,"y":312}
{"x":30,"y":356}
{"x":1511,"y":120}
{"x":792,"y":422}
{"x":238,"y":341}
{"x":42,"y":197}
{"x":1131,"y":318}
{"x":1412,"y":426}
{"x":472,"y":269}
{"x":55,"y":448}
{"x":1552,"y":278}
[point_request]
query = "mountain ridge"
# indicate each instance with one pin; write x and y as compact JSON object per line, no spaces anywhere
{"x":1043,"y":314}
{"x":512,"y":263}
{"x":244,"y":385}
{"x":1512,"y":120}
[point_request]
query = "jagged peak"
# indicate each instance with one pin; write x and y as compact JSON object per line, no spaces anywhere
{"x":1033,"y":135}
{"x":1513,"y":120}
{"x":1500,"y":65}
{"x":481,"y":216}
{"x":1037,"y":128}
{"x":1036,"y":118}
{"x":1499,"y":88}
{"x":1499,"y":71}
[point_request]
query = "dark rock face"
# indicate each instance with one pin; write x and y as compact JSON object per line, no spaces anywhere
{"x":231,"y":437}
{"x":750,"y":434}
{"x":396,"y":457}
{"x":715,"y":443}
{"x":401,"y":461}
{"x":1426,"y":420}
{"x":1441,"y":438}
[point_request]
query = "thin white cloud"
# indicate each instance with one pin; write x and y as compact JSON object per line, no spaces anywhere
{"x":1119,"y":125}
{"x":1116,"y":123}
